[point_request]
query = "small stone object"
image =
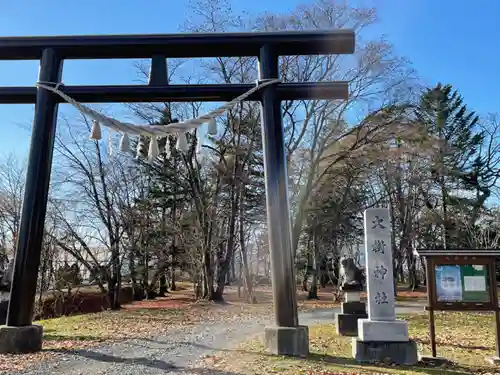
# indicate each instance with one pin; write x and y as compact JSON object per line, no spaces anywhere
{"x":493,"y":360}
{"x":6,"y":277}
{"x":351,"y":276}
{"x":352,"y":307}
{"x":434,"y":361}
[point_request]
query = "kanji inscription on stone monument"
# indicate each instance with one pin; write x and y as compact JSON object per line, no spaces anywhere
{"x":378,"y":259}
{"x":379,"y":246}
{"x":380,"y":272}
{"x":381,"y":298}
{"x":377,"y":223}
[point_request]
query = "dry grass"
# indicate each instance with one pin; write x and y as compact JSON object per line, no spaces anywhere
{"x":142,"y":319}
{"x":83,"y":331}
{"x":264,"y":297}
{"x":464,"y":338}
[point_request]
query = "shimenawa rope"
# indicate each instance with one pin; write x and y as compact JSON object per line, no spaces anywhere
{"x":152,"y":131}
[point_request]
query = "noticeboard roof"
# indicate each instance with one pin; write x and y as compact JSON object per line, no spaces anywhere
{"x":458,"y":252}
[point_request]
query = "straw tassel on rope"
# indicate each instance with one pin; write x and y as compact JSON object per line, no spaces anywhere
{"x":167,"y":147}
{"x":95,"y":133}
{"x":199,"y":144}
{"x":124,"y":143}
{"x":140,"y":145}
{"x":110,"y":144}
{"x":148,"y":130}
{"x":212,"y":126}
{"x":182,"y":142}
{"x":153,"y":149}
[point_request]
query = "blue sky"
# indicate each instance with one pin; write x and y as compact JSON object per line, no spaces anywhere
{"x":449,"y":41}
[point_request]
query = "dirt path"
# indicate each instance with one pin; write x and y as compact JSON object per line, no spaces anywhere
{"x":178,"y":352}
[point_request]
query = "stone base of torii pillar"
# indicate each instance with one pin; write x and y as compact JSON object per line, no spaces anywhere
{"x":381,"y":338}
{"x":20,"y":340}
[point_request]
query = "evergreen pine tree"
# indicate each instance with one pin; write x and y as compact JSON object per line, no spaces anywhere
{"x":455,"y":165}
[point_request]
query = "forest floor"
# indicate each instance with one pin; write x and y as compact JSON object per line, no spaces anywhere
{"x":143,"y":332}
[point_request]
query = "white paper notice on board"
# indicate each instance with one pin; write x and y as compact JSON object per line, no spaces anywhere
{"x":474,"y":283}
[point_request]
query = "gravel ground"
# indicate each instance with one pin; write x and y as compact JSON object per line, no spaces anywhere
{"x":179,"y":352}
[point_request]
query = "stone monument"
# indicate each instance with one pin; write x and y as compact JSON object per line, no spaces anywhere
{"x":381,"y":337}
{"x":352,"y":307}
{"x":6,"y":277}
{"x":5,"y":283}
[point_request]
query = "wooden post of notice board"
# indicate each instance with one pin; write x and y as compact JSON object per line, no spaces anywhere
{"x":461,"y":280}
{"x":430,"y":298}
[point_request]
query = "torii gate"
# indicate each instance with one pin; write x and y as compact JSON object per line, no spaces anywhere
{"x":286,"y":337}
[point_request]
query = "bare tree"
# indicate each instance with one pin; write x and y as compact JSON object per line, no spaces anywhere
{"x":12,"y":182}
{"x":95,"y":195}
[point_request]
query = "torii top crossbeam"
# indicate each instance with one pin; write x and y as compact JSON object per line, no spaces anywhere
{"x":315,"y":42}
{"x":178,"y":46}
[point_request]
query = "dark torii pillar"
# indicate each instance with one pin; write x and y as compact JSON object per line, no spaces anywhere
{"x":287,"y":337}
{"x":20,"y":336}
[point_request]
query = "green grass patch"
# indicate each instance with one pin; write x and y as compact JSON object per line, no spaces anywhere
{"x":83,"y":330}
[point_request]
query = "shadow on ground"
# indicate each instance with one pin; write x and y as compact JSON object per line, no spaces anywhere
{"x":48,"y":335}
{"x":455,"y":345}
{"x":51,"y":338}
{"x":350,"y":362}
{"x":152,"y":363}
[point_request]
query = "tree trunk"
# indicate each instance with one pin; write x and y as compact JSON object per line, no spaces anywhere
{"x":313,"y":256}
{"x":137,"y":291}
{"x":173,"y":286}
{"x":208,"y":278}
{"x":233,"y":269}
{"x":313,"y":290}
{"x":323,"y":278}
{"x":244,"y":260}
{"x":412,"y":270}
{"x":305,"y":280}
{"x":424,"y":270}
{"x":198,"y":285}
{"x":163,"y":284}
{"x":173,"y":253}
{"x":112,"y":293}
{"x":115,"y":279}
{"x":240,"y":279}
{"x":224,"y":262}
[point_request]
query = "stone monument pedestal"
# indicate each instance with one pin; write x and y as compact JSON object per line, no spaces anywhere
{"x":352,"y":310}
{"x":400,"y":353}
{"x":20,"y":340}
{"x":384,"y":341}
{"x":289,"y":341}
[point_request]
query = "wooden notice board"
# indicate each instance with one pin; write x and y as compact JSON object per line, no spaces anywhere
{"x":461,"y":280}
